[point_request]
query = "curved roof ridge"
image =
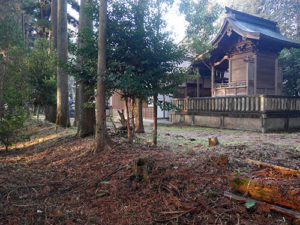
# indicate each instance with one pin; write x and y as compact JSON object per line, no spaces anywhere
{"x":251,"y":19}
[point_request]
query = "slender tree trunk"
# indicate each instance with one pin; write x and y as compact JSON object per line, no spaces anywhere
{"x":50,"y":113}
{"x":54,"y":23}
{"x":132,"y":117}
{"x":62,"y":117}
{"x":43,"y":30}
{"x":50,"y":110}
{"x":38,"y":113}
{"x":101,"y":138}
{"x":86,"y":122}
{"x":139,"y":117}
{"x":86,"y":113}
{"x":2,"y":91}
{"x":128,"y":121}
{"x":298,"y":23}
{"x":154,"y":134}
{"x":76,"y":116}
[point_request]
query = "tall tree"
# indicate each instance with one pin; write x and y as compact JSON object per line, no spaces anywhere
{"x":13,"y":83}
{"x":54,"y":23}
{"x":165,"y":75}
{"x":200,"y":17}
{"x":285,"y":13}
{"x":139,"y":116}
{"x":141,"y":72}
{"x":255,"y":7}
{"x":62,"y":117}
{"x":86,"y":109}
{"x":39,"y":67}
{"x":101,"y":137}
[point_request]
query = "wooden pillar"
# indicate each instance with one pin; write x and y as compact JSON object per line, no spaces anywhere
{"x":250,"y":76}
{"x":230,"y":70}
{"x":255,"y":75}
{"x":212,"y":81}
{"x":278,"y":78}
{"x":198,"y":88}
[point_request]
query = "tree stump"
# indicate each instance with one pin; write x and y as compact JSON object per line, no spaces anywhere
{"x":213,"y":141}
{"x":141,"y":169}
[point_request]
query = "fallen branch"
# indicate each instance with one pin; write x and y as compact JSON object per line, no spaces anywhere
{"x":281,"y":169}
{"x":29,"y":186}
{"x":181,"y":213}
{"x":276,"y":208}
{"x":112,"y":173}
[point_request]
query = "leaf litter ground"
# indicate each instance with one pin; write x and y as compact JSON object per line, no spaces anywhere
{"x":56,"y":179}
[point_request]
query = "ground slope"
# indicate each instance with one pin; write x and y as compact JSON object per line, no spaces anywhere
{"x":56,"y":178}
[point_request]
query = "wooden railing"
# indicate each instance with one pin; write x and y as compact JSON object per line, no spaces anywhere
{"x":261,"y":103}
{"x":231,"y":84}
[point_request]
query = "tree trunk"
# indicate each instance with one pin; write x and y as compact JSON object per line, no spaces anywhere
{"x":128,"y":121}
{"x":298,"y":23}
{"x":132,"y":117}
{"x":62,"y":117}
{"x":76,"y":116}
{"x":86,"y":122}
{"x":43,"y":30}
{"x":54,"y":23}
{"x":101,"y":138}
{"x":86,"y":113}
{"x":50,"y":113}
{"x":154,"y":134}
{"x":51,"y":110}
{"x":139,"y":117}
{"x":2,"y":91}
{"x":38,"y":113}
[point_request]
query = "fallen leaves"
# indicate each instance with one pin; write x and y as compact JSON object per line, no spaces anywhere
{"x":61,"y":181}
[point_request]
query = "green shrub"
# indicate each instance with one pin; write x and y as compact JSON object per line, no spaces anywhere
{"x":11,"y":125}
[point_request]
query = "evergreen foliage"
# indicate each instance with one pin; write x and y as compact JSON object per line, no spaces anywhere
{"x":13,"y":96}
{"x":290,"y":59}
{"x":40,"y":68}
{"x":201,"y":17}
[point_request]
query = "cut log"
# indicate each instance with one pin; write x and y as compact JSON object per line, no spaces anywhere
{"x":284,"y":192}
{"x":280,"y":169}
{"x":276,"y":208}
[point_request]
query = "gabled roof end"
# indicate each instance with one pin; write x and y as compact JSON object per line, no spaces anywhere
{"x":251,"y":19}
